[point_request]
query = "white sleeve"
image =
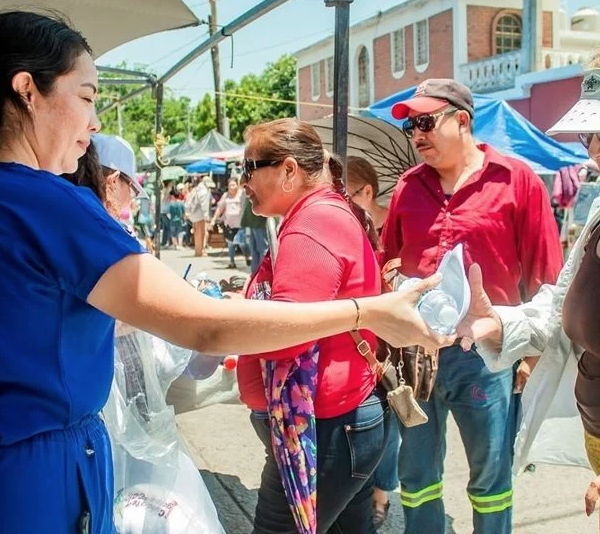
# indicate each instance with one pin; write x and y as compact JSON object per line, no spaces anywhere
{"x":528,"y":328}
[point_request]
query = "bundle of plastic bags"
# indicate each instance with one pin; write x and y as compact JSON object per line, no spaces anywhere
{"x":158,"y":489}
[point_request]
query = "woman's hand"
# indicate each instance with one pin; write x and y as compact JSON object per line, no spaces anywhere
{"x":591,"y":495}
{"x":481,"y":323}
{"x":394,"y":317}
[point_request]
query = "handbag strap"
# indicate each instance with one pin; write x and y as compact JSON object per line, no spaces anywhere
{"x":364,"y":349}
{"x":389,"y":271}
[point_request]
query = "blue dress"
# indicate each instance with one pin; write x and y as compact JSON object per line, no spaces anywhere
{"x":56,"y":354}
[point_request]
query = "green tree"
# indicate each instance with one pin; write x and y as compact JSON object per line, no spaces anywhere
{"x":256,"y":98}
{"x":204,"y":117}
{"x":259,"y":98}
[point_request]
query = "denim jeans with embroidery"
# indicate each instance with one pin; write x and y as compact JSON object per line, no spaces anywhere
{"x":349,"y":447}
{"x":483,"y":407}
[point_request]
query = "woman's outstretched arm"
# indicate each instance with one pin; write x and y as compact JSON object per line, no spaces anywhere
{"x":143,"y":292}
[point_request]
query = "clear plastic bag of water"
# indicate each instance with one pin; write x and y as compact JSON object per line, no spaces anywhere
{"x":443,"y":307}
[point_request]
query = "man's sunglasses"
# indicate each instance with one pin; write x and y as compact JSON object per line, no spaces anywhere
{"x":425,"y":123}
{"x":586,"y":139}
{"x":250,"y":165}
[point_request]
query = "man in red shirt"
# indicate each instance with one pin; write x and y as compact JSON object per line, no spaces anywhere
{"x":500,"y":211}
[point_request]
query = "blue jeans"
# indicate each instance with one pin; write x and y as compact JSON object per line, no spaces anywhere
{"x":239,"y":239}
{"x":349,"y":448}
{"x":165,"y":224}
{"x":258,"y":246}
{"x":386,"y":475}
{"x":483,"y":406}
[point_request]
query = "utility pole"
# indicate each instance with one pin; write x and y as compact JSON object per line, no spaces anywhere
{"x":214,"y":52}
{"x":189,"y":122}
{"x":341,"y":66}
{"x":120,"y":120}
{"x":531,"y":37}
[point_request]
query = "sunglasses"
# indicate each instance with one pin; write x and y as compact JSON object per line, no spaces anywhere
{"x":586,"y":139}
{"x":136,"y":191}
{"x":425,"y":123}
{"x":250,"y":165}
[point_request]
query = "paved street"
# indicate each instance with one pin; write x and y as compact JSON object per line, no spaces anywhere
{"x":225,"y":448}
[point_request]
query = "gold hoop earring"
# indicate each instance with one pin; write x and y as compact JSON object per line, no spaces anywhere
{"x":287,"y":190}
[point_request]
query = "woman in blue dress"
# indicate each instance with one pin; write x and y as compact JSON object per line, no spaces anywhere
{"x":67,"y":270}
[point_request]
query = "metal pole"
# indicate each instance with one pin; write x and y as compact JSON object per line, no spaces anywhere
{"x":125,"y":98}
{"x":126,"y":72}
{"x":159,"y":88}
{"x":340,"y":77}
{"x":530,"y":35}
{"x":120,"y":120}
{"x":216,"y":64}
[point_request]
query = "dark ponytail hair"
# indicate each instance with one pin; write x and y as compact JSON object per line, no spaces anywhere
{"x":89,"y":173}
{"x":336,"y":169}
{"x":42,"y":45}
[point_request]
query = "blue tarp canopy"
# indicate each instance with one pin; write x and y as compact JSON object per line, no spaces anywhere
{"x":498,"y":124}
{"x":216,"y":166}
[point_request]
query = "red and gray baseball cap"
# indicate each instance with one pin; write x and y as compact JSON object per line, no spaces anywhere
{"x":434,"y":94}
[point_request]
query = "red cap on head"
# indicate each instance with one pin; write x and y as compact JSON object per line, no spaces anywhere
{"x":434,"y":94}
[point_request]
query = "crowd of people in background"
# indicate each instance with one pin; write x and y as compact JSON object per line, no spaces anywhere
{"x":200,"y":212}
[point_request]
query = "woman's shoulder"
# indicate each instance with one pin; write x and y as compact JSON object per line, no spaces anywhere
{"x":328,"y":220}
{"x":324,"y":207}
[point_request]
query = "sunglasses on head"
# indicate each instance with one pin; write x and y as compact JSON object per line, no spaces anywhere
{"x":250,"y":165}
{"x":586,"y":139}
{"x":425,"y":123}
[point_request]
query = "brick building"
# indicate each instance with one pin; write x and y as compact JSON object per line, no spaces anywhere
{"x":475,"y":41}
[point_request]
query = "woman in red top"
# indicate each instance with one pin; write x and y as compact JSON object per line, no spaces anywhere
{"x":325,"y":252}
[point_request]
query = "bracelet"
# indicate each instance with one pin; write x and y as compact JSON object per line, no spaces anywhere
{"x":358,"y":316}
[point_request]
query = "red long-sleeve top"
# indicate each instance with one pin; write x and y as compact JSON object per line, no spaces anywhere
{"x":501,"y":215}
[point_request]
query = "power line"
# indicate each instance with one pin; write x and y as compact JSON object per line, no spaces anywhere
{"x":263,"y":98}
{"x":248,"y":52}
{"x":178,"y":49}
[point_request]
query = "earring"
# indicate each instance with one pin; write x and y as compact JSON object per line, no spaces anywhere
{"x":29,"y":108}
{"x":287,"y":190}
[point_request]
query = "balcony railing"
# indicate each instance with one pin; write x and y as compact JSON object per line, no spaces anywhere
{"x":493,"y":73}
{"x":559,"y":58}
{"x":499,"y":72}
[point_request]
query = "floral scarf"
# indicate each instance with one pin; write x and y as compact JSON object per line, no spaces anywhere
{"x":290,"y":387}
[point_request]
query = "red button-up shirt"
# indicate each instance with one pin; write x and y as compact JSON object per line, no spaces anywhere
{"x":501,"y":215}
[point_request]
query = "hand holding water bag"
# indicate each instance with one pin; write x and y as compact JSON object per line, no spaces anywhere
{"x":443,"y":307}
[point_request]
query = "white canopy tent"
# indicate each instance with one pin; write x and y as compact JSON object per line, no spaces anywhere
{"x":107,"y":24}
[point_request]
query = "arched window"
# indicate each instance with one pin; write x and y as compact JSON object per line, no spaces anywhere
{"x":364,"y":82}
{"x":508,"y":33}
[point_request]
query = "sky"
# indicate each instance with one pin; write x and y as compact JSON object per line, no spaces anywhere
{"x":286,"y":29}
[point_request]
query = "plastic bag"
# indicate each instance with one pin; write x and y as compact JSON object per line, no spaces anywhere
{"x":157,"y":486}
{"x":157,"y":499}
